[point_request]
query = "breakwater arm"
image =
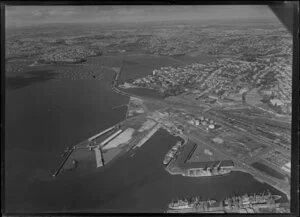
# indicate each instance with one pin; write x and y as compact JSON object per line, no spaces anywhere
{"x":101,"y":133}
{"x":63,"y":163}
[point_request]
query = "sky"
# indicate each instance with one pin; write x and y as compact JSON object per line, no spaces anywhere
{"x":32,"y":15}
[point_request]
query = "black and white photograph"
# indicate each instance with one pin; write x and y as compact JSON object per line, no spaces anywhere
{"x":147,"y":109}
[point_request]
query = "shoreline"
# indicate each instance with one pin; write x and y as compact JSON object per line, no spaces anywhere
{"x":234,"y":169}
{"x":127,"y":150}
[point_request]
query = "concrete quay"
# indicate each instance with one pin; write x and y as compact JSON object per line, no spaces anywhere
{"x":63,"y":162}
{"x":98,"y":155}
{"x":148,"y":136}
{"x":101,"y":133}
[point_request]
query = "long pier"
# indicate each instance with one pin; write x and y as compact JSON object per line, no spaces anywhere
{"x":63,"y":163}
{"x":115,"y":82}
{"x":101,"y":133}
{"x":110,"y":138}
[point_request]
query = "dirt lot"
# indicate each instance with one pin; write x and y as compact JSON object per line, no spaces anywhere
{"x":204,"y":154}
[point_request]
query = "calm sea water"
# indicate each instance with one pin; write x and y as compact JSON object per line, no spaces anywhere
{"x":44,"y":117}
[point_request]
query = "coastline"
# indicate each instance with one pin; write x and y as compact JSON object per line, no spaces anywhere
{"x":119,"y":91}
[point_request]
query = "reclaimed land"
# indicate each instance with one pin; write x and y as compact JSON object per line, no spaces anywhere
{"x":83,"y":153}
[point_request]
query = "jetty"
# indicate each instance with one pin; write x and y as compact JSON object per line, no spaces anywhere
{"x":101,"y":133}
{"x":98,"y":155}
{"x":148,"y":136}
{"x":63,"y":162}
{"x":110,"y":138}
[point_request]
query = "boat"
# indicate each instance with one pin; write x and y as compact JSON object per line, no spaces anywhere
{"x":205,"y":172}
{"x":172,"y":152}
{"x":237,"y":204}
{"x":254,"y":199}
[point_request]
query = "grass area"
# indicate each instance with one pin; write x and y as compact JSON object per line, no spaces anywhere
{"x":267,"y":170}
{"x":247,"y":143}
{"x":204,"y":154}
{"x":253,"y":98}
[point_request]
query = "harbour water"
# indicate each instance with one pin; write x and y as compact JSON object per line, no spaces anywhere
{"x":43,"y":118}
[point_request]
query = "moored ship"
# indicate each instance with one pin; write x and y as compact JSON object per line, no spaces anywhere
{"x":252,"y":199}
{"x":237,"y":204}
{"x":203,"y":173}
{"x":172,"y":152}
{"x":189,"y":204}
{"x":215,"y":170}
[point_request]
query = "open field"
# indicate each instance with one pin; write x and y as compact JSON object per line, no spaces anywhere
{"x":204,"y":154}
{"x":268,"y":170}
{"x":135,"y":107}
{"x":147,"y":125}
{"x":122,"y":138}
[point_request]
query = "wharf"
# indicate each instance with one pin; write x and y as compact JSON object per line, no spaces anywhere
{"x":85,"y":145}
{"x":179,"y":165}
{"x":148,"y":136}
{"x":101,"y":133}
{"x":220,"y":209}
{"x":198,"y":210}
{"x":98,"y":155}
